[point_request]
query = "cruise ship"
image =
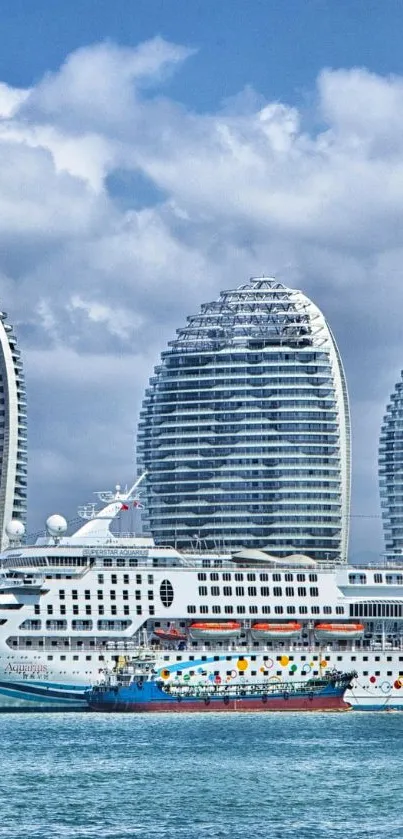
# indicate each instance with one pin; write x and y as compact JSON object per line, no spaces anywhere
{"x":75,"y":607}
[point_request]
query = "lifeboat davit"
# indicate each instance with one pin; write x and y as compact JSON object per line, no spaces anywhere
{"x":219,"y":629}
{"x":337,"y":631}
{"x":265,"y":631}
{"x":170,"y":634}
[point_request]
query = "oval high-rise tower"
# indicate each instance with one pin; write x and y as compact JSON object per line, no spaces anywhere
{"x":391,"y":474}
{"x":13,"y":432}
{"x":245,"y":430}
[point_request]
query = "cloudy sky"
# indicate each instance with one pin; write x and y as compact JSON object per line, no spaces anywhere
{"x":153,"y":153}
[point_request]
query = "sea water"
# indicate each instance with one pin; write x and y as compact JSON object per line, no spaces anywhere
{"x":204,"y":776}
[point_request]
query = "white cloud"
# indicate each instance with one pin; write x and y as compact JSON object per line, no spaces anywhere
{"x":97,"y":285}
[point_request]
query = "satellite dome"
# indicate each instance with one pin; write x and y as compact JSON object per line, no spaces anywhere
{"x":56,"y":525}
{"x":15,"y":529}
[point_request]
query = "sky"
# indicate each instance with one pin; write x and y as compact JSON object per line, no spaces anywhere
{"x":153,"y":153}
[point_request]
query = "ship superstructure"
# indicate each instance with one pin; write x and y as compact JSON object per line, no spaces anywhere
{"x":74,"y":606}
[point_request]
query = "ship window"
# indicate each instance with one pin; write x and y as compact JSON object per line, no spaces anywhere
{"x":166,"y":593}
{"x":288,"y":578}
{"x":239,"y":591}
{"x":125,"y":594}
{"x":138,"y":579}
{"x":277,"y":578}
{"x":377,"y":578}
{"x":215,"y":591}
{"x":50,"y":610}
{"x":226,"y":577}
{"x":75,"y":657}
{"x":133,"y":562}
{"x":301,"y":591}
{"x":289,"y":591}
{"x":203,"y":610}
{"x":138,"y":594}
{"x":150,"y":579}
{"x":50,"y":657}
{"x":202,"y":576}
{"x":252,"y":591}
{"x":266,"y":610}
{"x":37,"y":610}
{"x":216,"y":610}
{"x":62,"y":609}
{"x":227,"y":591}
{"x":240,"y":610}
{"x":327,"y":610}
{"x":313,"y":591}
{"x":264,"y":591}
{"x":315,"y":610}
{"x":138,"y":610}
{"x":112,"y":594}
{"x":202,"y":591}
{"x":214,"y":576}
{"x":251,"y":578}
{"x":229,"y":610}
{"x":238,"y":578}
{"x":313,"y":578}
{"x":100,"y":594}
{"x":253,"y":610}
{"x":278,"y":610}
{"x":303,"y":610}
{"x":277,"y":591}
{"x":62,"y":594}
{"x":191,"y":610}
{"x":58,"y":625}
{"x":120,"y":562}
{"x":125,"y":610}
{"x":150,"y":594}
{"x":114,"y":610}
{"x":87,"y":594}
{"x":101,"y":610}
{"x":263,"y":578}
{"x":290,"y":610}
{"x":301,"y":578}
{"x":75,"y":609}
{"x":107,"y":563}
{"x":88,"y":610}
{"x":81,"y":625}
{"x":100,"y":579}
{"x":114,"y":579}
{"x":377,"y":672}
{"x":125,"y":579}
{"x":339,"y":610}
{"x":74,"y":594}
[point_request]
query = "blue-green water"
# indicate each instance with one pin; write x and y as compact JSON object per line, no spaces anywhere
{"x":79,"y":776}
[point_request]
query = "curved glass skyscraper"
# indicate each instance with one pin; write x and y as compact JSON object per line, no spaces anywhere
{"x":13,"y":432}
{"x":245,"y":429}
{"x":391,"y":474}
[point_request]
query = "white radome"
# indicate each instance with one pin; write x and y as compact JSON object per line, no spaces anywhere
{"x":56,"y":525}
{"x":15,"y":529}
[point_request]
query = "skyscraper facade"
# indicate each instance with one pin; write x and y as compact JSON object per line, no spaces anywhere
{"x":391,"y":473}
{"x":245,"y":430}
{"x":13,"y":432}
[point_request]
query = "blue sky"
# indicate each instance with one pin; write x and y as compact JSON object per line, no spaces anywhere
{"x":152,"y":153}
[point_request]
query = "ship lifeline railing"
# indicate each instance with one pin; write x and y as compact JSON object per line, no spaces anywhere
{"x":262,"y":689}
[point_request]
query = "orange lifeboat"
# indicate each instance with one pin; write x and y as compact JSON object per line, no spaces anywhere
{"x":219,"y":629}
{"x":265,"y":631}
{"x":170,"y":634}
{"x":337,"y":631}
